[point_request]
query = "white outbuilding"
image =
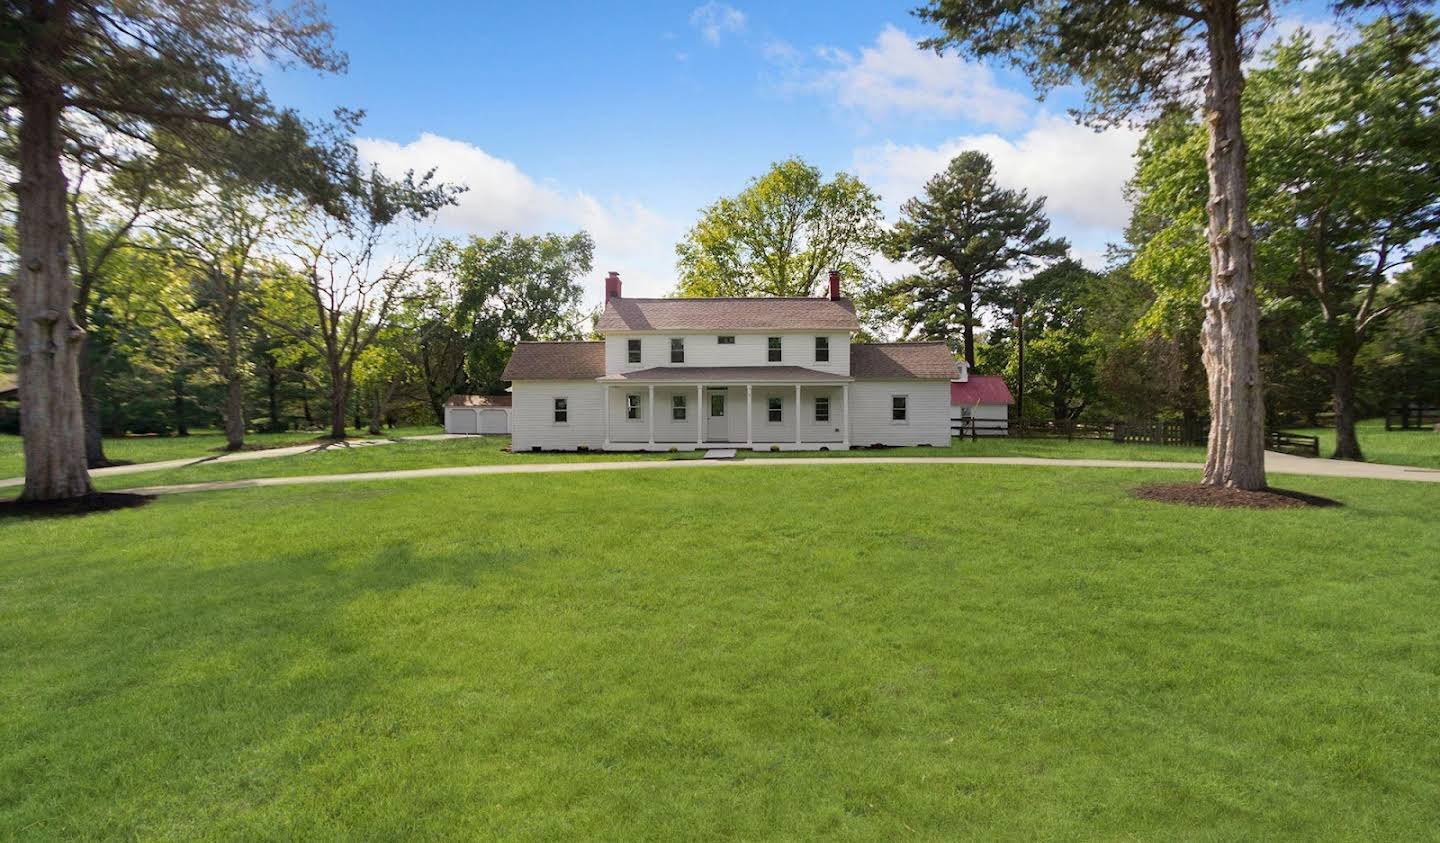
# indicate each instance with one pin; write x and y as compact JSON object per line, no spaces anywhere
{"x":478,"y":414}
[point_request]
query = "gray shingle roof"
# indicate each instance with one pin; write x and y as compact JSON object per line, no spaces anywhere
{"x":728,"y":314}
{"x":555,"y":361}
{"x":878,"y":361}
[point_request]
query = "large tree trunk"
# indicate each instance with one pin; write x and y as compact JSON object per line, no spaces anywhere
{"x":1230,"y":338}
{"x":377,"y":410}
{"x":234,"y":412}
{"x":1347,"y":446}
{"x":339,"y":401}
{"x":47,"y":338}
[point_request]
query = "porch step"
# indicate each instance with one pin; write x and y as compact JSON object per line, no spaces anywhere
{"x":720,"y":454}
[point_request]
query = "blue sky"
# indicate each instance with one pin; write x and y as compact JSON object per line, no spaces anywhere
{"x":627,"y":121}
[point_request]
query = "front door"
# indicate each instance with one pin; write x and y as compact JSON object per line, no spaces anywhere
{"x":717,"y":427}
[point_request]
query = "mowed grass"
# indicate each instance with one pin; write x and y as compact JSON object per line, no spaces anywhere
{"x":1394,"y":447}
{"x":493,"y":450}
{"x":841,"y":652}
{"x":201,"y":443}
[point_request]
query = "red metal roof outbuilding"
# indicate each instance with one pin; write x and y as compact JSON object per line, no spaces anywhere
{"x":980,"y":389}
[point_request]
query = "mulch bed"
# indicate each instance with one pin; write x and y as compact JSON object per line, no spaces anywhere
{"x":86,"y":505}
{"x":1194,"y":494}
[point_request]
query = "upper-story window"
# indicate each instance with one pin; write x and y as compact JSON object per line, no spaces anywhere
{"x":677,"y":349}
{"x":725,"y":340}
{"x":822,"y":349}
{"x":633,"y":350}
{"x":773,"y":345}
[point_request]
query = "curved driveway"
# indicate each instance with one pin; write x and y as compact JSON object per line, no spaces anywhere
{"x":1274,"y":464}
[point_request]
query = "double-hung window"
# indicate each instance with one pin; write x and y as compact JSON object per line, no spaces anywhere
{"x":632,"y":407}
{"x":775,"y":408}
{"x":822,"y":408}
{"x":633,"y":350}
{"x":773,"y":345}
{"x":677,"y":407}
{"x":562,"y":411}
{"x":677,"y":349}
{"x":822,"y":349}
{"x":898,"y":407}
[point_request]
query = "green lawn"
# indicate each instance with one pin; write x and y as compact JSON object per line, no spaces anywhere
{"x":1395,"y":447}
{"x":867,"y":653}
{"x":202,"y":443}
{"x":490,"y":450}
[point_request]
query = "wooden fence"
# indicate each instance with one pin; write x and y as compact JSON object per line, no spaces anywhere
{"x":1156,"y":432}
{"x":1412,"y":417}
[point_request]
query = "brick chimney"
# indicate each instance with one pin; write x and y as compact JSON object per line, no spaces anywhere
{"x":612,"y":286}
{"x":834,"y":285}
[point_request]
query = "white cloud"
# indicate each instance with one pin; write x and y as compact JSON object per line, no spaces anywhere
{"x":893,"y":76}
{"x":715,"y":20}
{"x":1081,"y":172}
{"x":629,"y":237}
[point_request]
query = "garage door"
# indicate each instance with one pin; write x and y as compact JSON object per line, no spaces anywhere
{"x":494,"y":421}
{"x":460,"y":420}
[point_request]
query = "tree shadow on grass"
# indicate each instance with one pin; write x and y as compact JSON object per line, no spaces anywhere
{"x":90,"y":504}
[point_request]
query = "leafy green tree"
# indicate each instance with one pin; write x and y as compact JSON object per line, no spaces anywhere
{"x":131,"y":69}
{"x":781,"y":235}
{"x":1345,"y":196}
{"x":1134,"y":57}
{"x":971,"y":238}
{"x":511,"y":288}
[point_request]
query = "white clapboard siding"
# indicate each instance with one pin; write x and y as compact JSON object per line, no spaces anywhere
{"x":533,"y":421}
{"x":928,"y":413}
{"x":749,"y":349}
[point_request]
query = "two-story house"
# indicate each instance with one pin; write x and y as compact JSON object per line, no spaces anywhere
{"x":728,"y":372}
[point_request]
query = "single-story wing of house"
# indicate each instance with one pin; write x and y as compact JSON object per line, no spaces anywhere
{"x":757,"y":373}
{"x":488,"y":414}
{"x":980,"y":404}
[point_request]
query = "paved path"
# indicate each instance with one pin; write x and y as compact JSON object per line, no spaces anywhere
{"x":1274,"y":463}
{"x":237,"y":456}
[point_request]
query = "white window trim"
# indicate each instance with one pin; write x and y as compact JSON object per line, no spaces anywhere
{"x":826,"y":399}
{"x":553,"y":409}
{"x":781,"y":349}
{"x":781,"y":408}
{"x":639,"y":405}
{"x":827,"y":349}
{"x":674,"y":340}
{"x":721,"y":339}
{"x":677,"y":402}
{"x":640,"y":351}
{"x":905,"y":420}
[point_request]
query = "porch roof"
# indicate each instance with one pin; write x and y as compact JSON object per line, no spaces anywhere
{"x":726,"y":374}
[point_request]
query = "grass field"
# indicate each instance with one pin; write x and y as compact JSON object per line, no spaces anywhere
{"x":490,"y":450}
{"x":865,"y":653}
{"x":1395,"y":447}
{"x":200,"y":443}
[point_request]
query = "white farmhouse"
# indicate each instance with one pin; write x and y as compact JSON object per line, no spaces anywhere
{"x":728,"y":372}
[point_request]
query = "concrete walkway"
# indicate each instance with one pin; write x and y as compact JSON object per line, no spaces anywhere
{"x":236,"y":456}
{"x":1274,"y":464}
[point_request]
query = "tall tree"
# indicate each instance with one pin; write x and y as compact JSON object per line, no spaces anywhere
{"x":511,"y":288}
{"x":781,"y":235}
{"x":1134,"y":55}
{"x":184,"y":65}
{"x":970,"y":237}
{"x":1345,"y":195}
{"x":354,"y":270}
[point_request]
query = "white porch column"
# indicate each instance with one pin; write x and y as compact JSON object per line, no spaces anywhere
{"x":652,"y":414}
{"x":749,"y":419}
{"x":845,"y":402}
{"x":700,"y":410}
{"x":608,"y":411}
{"x":797,"y":414}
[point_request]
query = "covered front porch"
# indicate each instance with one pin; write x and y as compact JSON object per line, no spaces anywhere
{"x":784,"y":407}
